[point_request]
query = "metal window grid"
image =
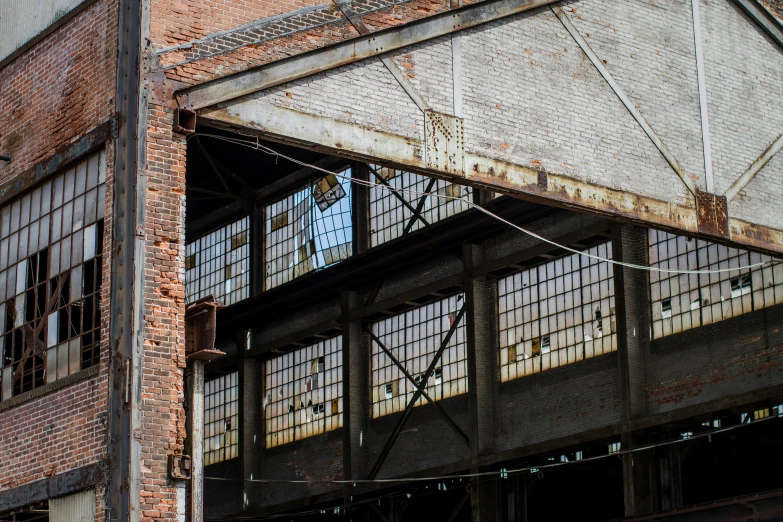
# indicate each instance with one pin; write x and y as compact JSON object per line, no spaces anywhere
{"x":50,"y":275}
{"x":556,"y":313}
{"x":413,"y":337}
{"x":301,"y":236}
{"x":683,"y":301}
{"x":219,"y":264}
{"x":221,"y":418}
{"x":304,"y":392}
{"x":389,"y":217}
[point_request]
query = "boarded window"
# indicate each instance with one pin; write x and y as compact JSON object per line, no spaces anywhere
{"x":304,"y":392}
{"x":308,"y":230}
{"x":219,"y":264}
{"x":414,"y":337}
{"x":221,"y":419}
{"x":51,"y":242}
{"x":684,"y":301}
{"x":390,"y":217}
{"x":557,"y":313}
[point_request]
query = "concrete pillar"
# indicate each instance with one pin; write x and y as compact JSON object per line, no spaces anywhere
{"x":479,"y":316}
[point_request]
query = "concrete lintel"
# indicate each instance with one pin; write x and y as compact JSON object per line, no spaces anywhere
{"x":349,"y":140}
{"x":378,"y":43}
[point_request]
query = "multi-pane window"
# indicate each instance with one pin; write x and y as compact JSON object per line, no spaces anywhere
{"x":394,"y":214}
{"x":683,"y":301}
{"x":309,"y":230}
{"x":221,"y":418}
{"x":304,"y":392}
{"x":50,"y":278}
{"x":557,"y":313}
{"x":219,"y":264}
{"x":414,"y":338}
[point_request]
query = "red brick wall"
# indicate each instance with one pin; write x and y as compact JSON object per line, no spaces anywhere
{"x":49,"y":97}
{"x":282,"y":38}
{"x":178,"y":21}
{"x":163,"y":417}
{"x":60,"y":89}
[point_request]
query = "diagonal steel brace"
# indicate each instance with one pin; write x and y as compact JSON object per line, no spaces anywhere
{"x":416,"y":396}
{"x":438,"y":408}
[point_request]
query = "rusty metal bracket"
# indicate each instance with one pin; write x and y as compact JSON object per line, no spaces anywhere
{"x":444,"y":143}
{"x":200,"y":330}
{"x":542,"y":180}
{"x":184,"y":121}
{"x":416,"y":396}
{"x":420,"y":387}
{"x":712,"y":214}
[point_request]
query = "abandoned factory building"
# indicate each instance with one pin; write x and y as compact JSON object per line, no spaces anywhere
{"x":391,"y":260}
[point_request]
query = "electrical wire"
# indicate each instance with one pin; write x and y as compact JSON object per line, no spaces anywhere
{"x":256,"y":145}
{"x":506,"y":472}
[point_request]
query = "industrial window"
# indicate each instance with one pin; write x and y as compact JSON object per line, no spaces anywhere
{"x":219,"y":264}
{"x":309,"y":230}
{"x":304,"y":392}
{"x":50,"y":279}
{"x":684,"y":301}
{"x":394,"y":214}
{"x":557,"y":313}
{"x":221,"y":419}
{"x":414,"y":338}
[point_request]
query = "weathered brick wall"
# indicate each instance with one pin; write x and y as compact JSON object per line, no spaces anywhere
{"x":58,"y":90}
{"x":731,"y":357}
{"x":163,"y":364}
{"x":50,"y":97}
{"x":55,"y":433}
{"x":209,"y":53}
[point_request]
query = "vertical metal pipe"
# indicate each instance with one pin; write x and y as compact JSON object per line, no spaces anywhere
{"x":196,"y":436}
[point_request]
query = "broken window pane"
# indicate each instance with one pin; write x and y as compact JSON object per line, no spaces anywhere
{"x":684,"y":301}
{"x":309,"y":230}
{"x":221,"y":418}
{"x":304,"y":392}
{"x":390,"y":217}
{"x":557,"y":313}
{"x":414,"y":337}
{"x":50,"y":326}
{"x":219,"y":264}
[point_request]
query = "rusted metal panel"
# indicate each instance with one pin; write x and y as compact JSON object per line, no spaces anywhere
{"x":55,"y":486}
{"x":712,"y":214}
{"x":444,"y":143}
{"x":200,"y":329}
{"x":348,"y":140}
{"x":381,"y":42}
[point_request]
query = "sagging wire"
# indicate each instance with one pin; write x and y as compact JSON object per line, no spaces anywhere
{"x":504,"y":473}
{"x":256,"y":145}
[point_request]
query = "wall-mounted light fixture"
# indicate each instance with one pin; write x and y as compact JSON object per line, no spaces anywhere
{"x":5,"y":158}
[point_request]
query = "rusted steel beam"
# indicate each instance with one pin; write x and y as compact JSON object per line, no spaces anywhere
{"x":560,"y":190}
{"x":764,"y":19}
{"x":55,"y":486}
{"x":375,"y":44}
{"x":417,"y":394}
{"x":68,"y":154}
